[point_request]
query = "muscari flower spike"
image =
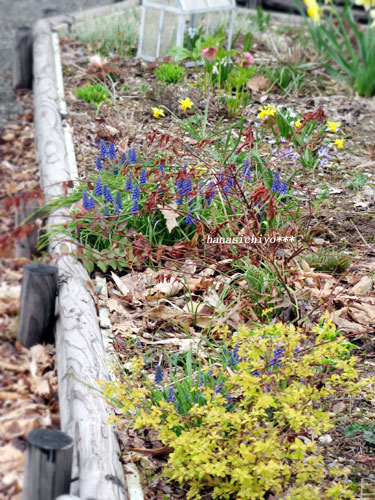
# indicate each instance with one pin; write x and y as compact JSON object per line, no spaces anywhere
{"x":189,"y":219}
{"x":158,"y":374}
{"x":132,"y":156}
{"x":161,"y":170}
{"x":107,"y":194}
{"x":246,"y":173}
{"x":112,"y":151}
{"x":276,"y":182}
{"x":98,"y":187}
{"x":115,"y":170}
{"x":85,"y":200}
{"x":106,"y":211}
{"x":123,"y":160}
{"x":142,"y":177}
{"x":99,"y":165}
{"x":136,"y":192}
{"x":116,"y":210}
{"x":119,"y":200}
{"x":128,"y":183}
{"x":135,"y":208}
{"x":103,"y":149}
{"x":171,"y":397}
{"x":91,"y":203}
{"x":211,"y":193}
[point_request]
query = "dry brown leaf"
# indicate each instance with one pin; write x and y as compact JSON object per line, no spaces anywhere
{"x":166,"y":289}
{"x":184,"y":319}
{"x":170,"y":214}
{"x":257,"y":83}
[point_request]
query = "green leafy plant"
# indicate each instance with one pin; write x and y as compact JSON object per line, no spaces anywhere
{"x":357,"y":181}
{"x":96,"y":94}
{"x":366,"y":429}
{"x":261,"y":19}
{"x":288,"y":77}
{"x":236,"y":432}
{"x":170,"y":73}
{"x":340,"y":39}
{"x":328,"y":262}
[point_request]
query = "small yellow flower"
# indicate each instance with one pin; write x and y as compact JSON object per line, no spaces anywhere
{"x":339,"y":143}
{"x":297,"y":123}
{"x":186,"y":103}
{"x":266,"y":111}
{"x":333,"y":126}
{"x":157,"y":112}
{"x":200,"y":170}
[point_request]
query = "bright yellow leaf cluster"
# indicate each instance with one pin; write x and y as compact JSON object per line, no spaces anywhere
{"x":255,"y":447}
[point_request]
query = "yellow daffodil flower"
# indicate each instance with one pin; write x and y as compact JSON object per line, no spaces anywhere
{"x":297,"y":123}
{"x":266,"y":111}
{"x":333,"y":126}
{"x":186,"y":103}
{"x":157,"y":112}
{"x":339,"y":143}
{"x":313,"y":10}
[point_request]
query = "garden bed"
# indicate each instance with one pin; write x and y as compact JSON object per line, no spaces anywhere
{"x":169,"y":296}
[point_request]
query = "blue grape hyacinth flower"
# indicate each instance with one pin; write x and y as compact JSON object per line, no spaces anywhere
{"x":143,"y":177}
{"x":132,"y":156}
{"x":116,"y":210}
{"x":98,"y":187}
{"x":158,"y":374}
{"x":276,"y":182}
{"x":112,"y":151}
{"x":135,"y":208}
{"x":189,"y":219}
{"x":106,"y":211}
{"x":107,"y":194}
{"x":99,"y":165}
{"x":246,"y":173}
{"x":103,"y":149}
{"x":161,"y":170}
{"x":128,"y":183}
{"x":136,"y":192}
{"x":171,"y":397}
{"x":91,"y":203}
{"x":85,"y":200}
{"x":119,"y":200}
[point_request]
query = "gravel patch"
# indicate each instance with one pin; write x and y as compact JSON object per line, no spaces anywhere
{"x":25,"y":13}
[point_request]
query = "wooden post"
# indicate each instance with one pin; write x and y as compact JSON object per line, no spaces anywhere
{"x":22,"y":58}
{"x":26,"y":247}
{"x":37,"y":308}
{"x":48,"y":465}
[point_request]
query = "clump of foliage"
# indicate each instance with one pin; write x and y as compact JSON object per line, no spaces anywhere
{"x":366,"y":429}
{"x":90,"y":93}
{"x":328,"y":262}
{"x":249,"y":431}
{"x":341,"y":40}
{"x":170,"y":73}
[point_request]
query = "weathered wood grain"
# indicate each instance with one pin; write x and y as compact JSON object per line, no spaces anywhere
{"x":48,"y":465}
{"x":37,"y":308}
{"x":22,"y":71}
{"x":26,"y":247}
{"x":79,"y":346}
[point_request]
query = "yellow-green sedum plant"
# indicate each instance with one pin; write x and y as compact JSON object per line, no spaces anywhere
{"x":252,"y":426}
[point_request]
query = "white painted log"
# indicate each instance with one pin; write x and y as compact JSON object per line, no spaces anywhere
{"x":79,"y":346}
{"x":68,"y":497}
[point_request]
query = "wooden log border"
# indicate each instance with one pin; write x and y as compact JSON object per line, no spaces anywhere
{"x":97,"y":470}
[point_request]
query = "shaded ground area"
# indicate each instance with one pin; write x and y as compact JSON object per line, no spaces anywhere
{"x":26,"y":13}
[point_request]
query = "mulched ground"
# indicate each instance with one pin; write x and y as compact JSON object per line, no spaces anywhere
{"x":342,"y":219}
{"x":28,"y":381}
